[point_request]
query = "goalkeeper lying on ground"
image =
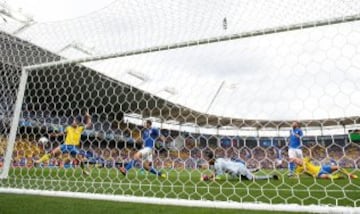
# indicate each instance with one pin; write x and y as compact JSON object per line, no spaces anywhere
{"x":322,"y":171}
{"x":235,"y":168}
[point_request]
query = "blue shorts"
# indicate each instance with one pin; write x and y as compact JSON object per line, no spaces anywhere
{"x":325,"y":169}
{"x":73,"y":150}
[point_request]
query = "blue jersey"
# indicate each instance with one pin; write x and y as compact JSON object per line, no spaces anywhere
{"x":295,"y":142}
{"x":149,"y":137}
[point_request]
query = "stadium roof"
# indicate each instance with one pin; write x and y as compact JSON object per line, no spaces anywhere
{"x":167,"y":111}
{"x":310,"y":74}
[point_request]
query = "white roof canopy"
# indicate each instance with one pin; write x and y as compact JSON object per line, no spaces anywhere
{"x":304,"y":74}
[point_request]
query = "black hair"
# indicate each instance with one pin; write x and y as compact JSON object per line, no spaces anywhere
{"x":149,"y":122}
{"x":210,"y":155}
{"x":298,"y":123}
{"x":78,"y":119}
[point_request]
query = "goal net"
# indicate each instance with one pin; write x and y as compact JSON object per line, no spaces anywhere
{"x":219,"y":81}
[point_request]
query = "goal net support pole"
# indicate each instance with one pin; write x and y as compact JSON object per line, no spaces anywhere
{"x":14,"y":123}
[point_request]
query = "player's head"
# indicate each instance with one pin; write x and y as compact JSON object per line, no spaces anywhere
{"x":76,"y":121}
{"x":147,"y":124}
{"x":82,"y":153}
{"x":295,"y":125}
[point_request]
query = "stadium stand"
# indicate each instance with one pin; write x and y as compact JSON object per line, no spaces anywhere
{"x":111,"y":149}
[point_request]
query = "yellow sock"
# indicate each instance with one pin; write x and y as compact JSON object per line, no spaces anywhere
{"x":344,"y":171}
{"x":45,"y":158}
{"x":335,"y":176}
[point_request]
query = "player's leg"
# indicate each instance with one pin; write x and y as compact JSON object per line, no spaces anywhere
{"x":126,"y":167}
{"x":147,"y":163}
{"x":299,"y":153}
{"x":137,"y":156}
{"x":291,"y":164}
{"x":326,"y":172}
{"x":266,"y":177}
{"x":148,"y":166}
{"x":243,"y":172}
{"x":328,"y":176}
{"x":253,"y":170}
{"x":344,"y":171}
{"x":298,"y":158}
{"x":82,"y":165}
{"x":251,"y":176}
{"x":294,"y":154}
{"x":278,"y":155}
{"x":74,"y":152}
{"x":65,"y":151}
{"x":65,"y":159}
{"x":53,"y":153}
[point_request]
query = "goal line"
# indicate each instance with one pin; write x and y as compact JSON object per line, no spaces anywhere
{"x":186,"y":202}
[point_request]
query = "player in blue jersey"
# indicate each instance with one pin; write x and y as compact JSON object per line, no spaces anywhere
{"x":295,"y":144}
{"x":149,"y":136}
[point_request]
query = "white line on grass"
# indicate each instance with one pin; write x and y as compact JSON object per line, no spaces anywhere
{"x":190,"y":187}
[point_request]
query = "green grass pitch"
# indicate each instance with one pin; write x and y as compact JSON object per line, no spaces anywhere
{"x":16,"y":204}
{"x":186,"y":184}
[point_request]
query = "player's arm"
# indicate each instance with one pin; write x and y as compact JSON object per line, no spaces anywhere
{"x":212,"y":177}
{"x":159,"y":135}
{"x":58,"y":134}
{"x":297,"y":161}
{"x":139,"y":140}
{"x":299,"y":134}
{"x":330,"y":176}
{"x":289,"y":139}
{"x":162,"y":138}
{"x":88,"y":121}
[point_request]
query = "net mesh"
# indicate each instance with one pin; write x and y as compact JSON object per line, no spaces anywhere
{"x":236,"y":99}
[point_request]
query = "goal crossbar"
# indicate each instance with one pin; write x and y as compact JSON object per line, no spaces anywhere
{"x":262,"y":32}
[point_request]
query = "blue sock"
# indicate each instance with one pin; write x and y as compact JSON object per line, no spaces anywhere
{"x":153,"y":171}
{"x":130,"y":165}
{"x":291,"y":167}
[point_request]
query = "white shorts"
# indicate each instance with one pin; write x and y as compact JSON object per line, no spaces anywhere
{"x":146,"y":154}
{"x":295,"y":153}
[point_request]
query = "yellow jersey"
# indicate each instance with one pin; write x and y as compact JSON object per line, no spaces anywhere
{"x":308,"y":168}
{"x":73,"y":135}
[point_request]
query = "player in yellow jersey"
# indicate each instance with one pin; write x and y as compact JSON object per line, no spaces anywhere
{"x":72,"y":141}
{"x":322,"y":171}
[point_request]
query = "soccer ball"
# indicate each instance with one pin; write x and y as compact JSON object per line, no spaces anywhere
{"x":43,"y":140}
